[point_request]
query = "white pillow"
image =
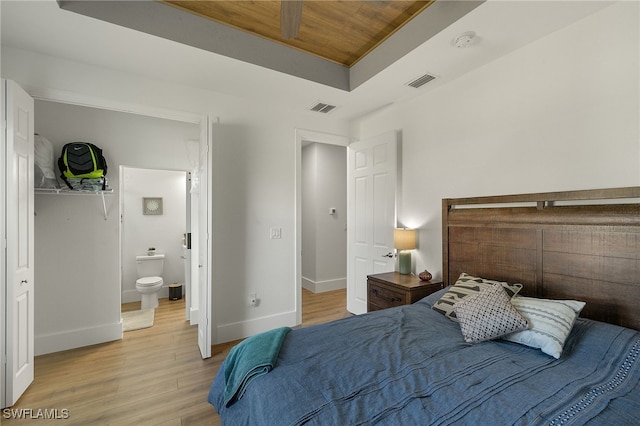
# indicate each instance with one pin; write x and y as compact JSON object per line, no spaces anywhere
{"x":550,"y":322}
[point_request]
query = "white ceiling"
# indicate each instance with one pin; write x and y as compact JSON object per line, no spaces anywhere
{"x":501,"y":26}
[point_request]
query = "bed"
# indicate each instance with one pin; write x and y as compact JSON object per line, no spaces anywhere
{"x":413,"y":364}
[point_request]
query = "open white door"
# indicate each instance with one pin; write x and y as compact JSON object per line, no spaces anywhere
{"x":204,"y":239}
{"x":186,"y":250}
{"x":371,"y":195}
{"x":19,"y":337}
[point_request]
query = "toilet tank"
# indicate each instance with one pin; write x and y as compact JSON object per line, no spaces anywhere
{"x":150,"y":266}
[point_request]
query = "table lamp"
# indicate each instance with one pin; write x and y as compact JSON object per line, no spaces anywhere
{"x":404,"y":240}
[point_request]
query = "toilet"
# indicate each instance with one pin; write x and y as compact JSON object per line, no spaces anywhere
{"x":149,"y":280}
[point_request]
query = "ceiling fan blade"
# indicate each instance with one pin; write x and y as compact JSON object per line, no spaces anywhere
{"x":290,"y":15}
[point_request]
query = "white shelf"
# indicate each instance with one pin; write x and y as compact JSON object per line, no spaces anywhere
{"x":67,"y":191}
{"x":57,"y":191}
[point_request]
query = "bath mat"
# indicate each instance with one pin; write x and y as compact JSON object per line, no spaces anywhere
{"x":135,"y":320}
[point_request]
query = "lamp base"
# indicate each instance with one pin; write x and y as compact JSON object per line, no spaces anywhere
{"x":404,"y":262}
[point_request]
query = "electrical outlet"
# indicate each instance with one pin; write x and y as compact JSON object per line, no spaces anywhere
{"x":276,"y":233}
{"x":253,"y":300}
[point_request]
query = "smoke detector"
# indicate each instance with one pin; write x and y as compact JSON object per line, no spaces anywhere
{"x":465,"y":40}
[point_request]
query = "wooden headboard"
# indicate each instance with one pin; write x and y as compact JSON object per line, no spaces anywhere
{"x":582,"y":245}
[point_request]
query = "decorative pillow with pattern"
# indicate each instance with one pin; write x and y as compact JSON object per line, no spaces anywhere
{"x":465,"y":286}
{"x":488,"y":314}
{"x":550,"y":323}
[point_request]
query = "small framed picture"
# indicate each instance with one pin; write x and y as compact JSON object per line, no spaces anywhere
{"x":151,"y":205}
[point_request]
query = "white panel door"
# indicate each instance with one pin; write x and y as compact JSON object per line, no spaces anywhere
{"x":19,"y":253}
{"x":371,"y":194}
{"x":204,"y":240}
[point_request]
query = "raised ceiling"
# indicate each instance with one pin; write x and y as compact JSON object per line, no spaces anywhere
{"x":173,"y":58}
{"x":341,"y":44}
{"x":339,"y":31}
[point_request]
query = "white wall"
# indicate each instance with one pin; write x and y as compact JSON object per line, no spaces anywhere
{"x":559,"y":114}
{"x":254,"y":179}
{"x":77,"y":251}
{"x":164,"y":232}
{"x":324,"y":237}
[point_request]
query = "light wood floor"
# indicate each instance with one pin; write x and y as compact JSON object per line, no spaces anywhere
{"x":153,"y":376}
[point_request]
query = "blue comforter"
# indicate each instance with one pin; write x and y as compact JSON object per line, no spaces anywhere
{"x":410,"y":366}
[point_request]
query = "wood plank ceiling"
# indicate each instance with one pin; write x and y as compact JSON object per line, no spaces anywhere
{"x":341,"y":31}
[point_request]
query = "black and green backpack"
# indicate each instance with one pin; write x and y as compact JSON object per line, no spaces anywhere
{"x":80,"y":160}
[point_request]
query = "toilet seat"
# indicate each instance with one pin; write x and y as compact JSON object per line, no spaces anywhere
{"x":148,"y":281}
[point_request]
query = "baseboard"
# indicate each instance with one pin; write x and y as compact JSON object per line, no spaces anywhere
{"x":193,"y":316}
{"x":78,"y":338}
{"x":240,"y":330}
{"x":323,"y":286}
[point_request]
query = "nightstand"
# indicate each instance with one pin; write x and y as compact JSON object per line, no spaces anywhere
{"x":394,"y":289}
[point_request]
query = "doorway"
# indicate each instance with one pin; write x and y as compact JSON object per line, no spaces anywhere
{"x":321,"y":218}
{"x":164,"y":229}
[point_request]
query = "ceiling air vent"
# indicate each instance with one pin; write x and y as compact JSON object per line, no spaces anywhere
{"x":421,"y":81}
{"x":322,"y":107}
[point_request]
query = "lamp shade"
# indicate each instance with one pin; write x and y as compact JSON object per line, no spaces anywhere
{"x":404,"y":239}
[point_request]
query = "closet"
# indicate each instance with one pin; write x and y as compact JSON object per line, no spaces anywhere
{"x":78,"y":251}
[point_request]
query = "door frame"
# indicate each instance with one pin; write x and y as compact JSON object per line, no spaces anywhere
{"x":206,"y":327}
{"x":3,"y":238}
{"x":64,"y":97}
{"x":302,"y":136}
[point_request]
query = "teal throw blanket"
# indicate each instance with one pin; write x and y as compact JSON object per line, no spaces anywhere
{"x":249,"y":359}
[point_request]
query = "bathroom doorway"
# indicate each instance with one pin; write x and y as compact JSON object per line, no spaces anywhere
{"x":164,"y":228}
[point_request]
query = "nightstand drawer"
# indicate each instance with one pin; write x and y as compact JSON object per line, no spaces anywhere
{"x":385,"y":297}
{"x":390,"y":289}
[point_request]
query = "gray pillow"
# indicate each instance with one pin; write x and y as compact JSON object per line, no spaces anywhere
{"x":465,"y":286}
{"x":488,"y":314}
